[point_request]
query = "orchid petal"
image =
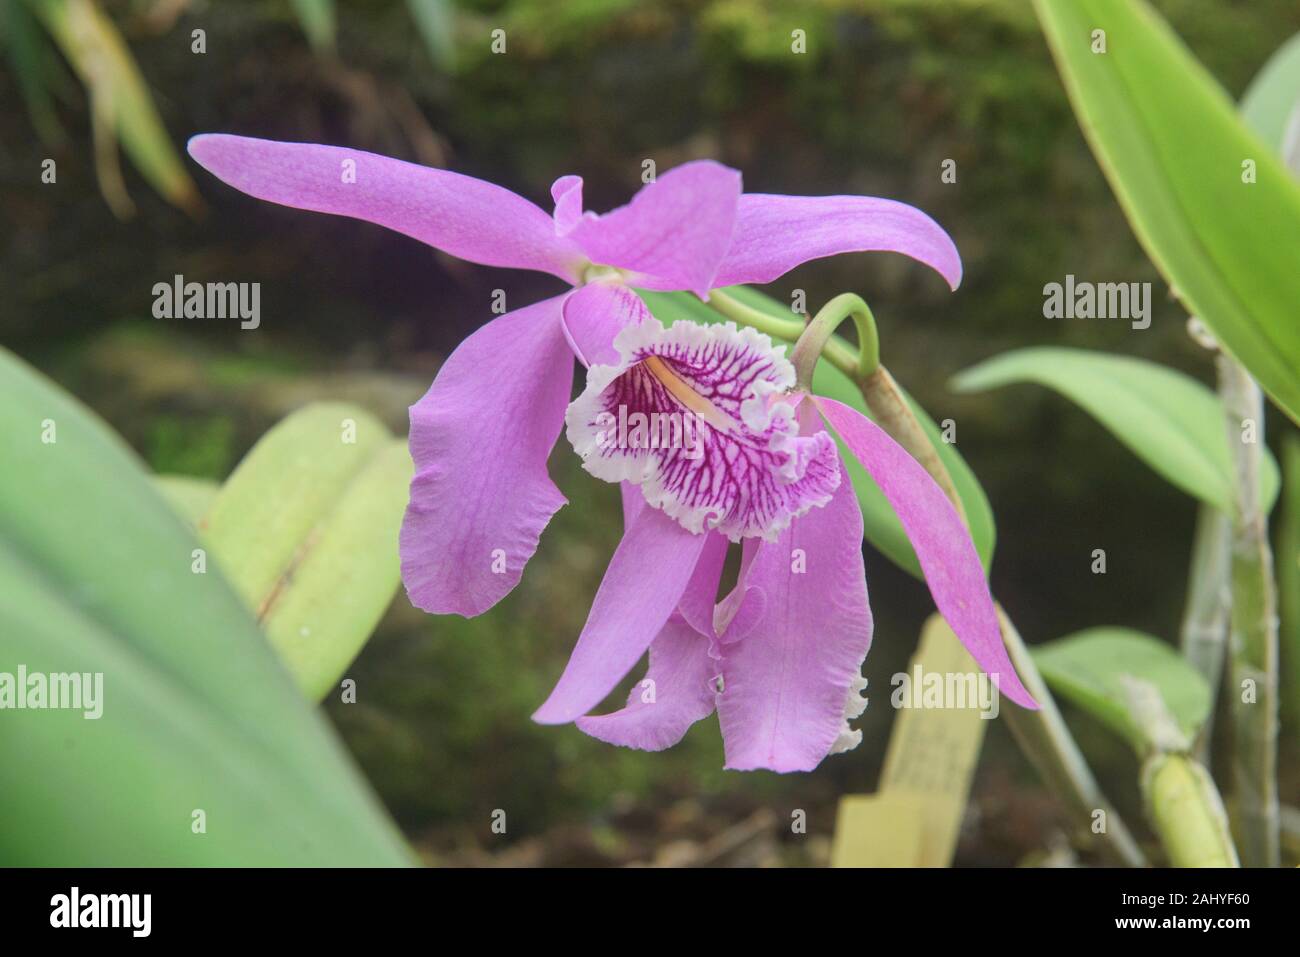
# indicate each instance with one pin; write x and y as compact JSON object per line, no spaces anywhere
{"x":676,"y":692}
{"x":644,"y":582}
{"x":567,"y":194}
{"x":790,"y":683}
{"x":674,"y":232}
{"x":776,"y":233}
{"x":465,"y":217}
{"x":737,"y":614}
{"x":633,"y":503}
{"x":942,"y":543}
{"x":480,"y":438}
{"x":594,"y":316}
{"x":701,"y":596}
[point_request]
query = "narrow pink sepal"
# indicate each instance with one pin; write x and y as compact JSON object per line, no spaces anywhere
{"x":943,"y":545}
{"x":644,"y":582}
{"x":480,"y":438}
{"x":465,"y":217}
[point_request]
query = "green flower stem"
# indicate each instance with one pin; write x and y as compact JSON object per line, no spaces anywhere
{"x":786,"y":329}
{"x":1204,"y":632}
{"x":1042,"y":734}
{"x":1254,"y":641}
{"x":894,"y":415}
{"x":820,"y":333}
{"x":1187,"y":812}
{"x":835,"y":350}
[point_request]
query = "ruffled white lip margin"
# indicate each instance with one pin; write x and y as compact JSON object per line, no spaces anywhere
{"x":759,"y":420}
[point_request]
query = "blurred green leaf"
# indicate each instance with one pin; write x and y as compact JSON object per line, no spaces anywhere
{"x":197,"y":712}
{"x":318,"y":21}
{"x":881,"y":526}
{"x":1169,"y":420}
{"x":1271,"y":104}
{"x":1173,"y":148}
{"x":1095,"y":669}
{"x":306,"y":529}
{"x":31,"y":56}
{"x":190,"y":497}
{"x":435,"y":19}
{"x":119,"y":98}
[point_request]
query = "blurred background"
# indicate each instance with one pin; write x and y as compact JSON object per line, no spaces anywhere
{"x":885,"y":92}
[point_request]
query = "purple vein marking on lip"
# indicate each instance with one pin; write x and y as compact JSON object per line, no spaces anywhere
{"x":750,"y":471}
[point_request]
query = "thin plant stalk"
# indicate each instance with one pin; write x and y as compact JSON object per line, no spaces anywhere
{"x":1253,"y":667}
{"x":1051,"y":749}
{"x":1204,"y":631}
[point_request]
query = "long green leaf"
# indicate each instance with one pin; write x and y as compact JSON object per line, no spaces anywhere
{"x":881,"y":525}
{"x":98,"y":576}
{"x":1095,"y":669}
{"x":306,"y":528}
{"x":30,"y":54}
{"x":318,"y":21}
{"x":104,"y":63}
{"x":435,"y":20}
{"x":1271,"y":104}
{"x":189,"y":497}
{"x":1169,"y":420}
{"x":1173,"y":148}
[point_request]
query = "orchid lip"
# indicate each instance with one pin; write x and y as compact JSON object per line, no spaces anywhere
{"x":689,"y":399}
{"x":751,"y":471}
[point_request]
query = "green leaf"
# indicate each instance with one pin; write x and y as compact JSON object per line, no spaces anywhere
{"x":318,"y":21}
{"x":1095,"y":669}
{"x":435,"y":19}
{"x":197,"y":712}
{"x":1169,"y":420}
{"x":191,"y":498}
{"x":306,"y":529}
{"x":1173,"y":147}
{"x":31,"y":55}
{"x":1271,"y":104}
{"x":118,"y":93}
{"x":881,"y":525}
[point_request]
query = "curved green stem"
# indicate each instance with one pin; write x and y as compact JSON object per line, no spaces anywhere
{"x":787,"y":329}
{"x":835,"y":350}
{"x":820,"y":334}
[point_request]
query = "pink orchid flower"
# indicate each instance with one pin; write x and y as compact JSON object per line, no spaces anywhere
{"x":480,"y":437}
{"x":780,"y":657}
